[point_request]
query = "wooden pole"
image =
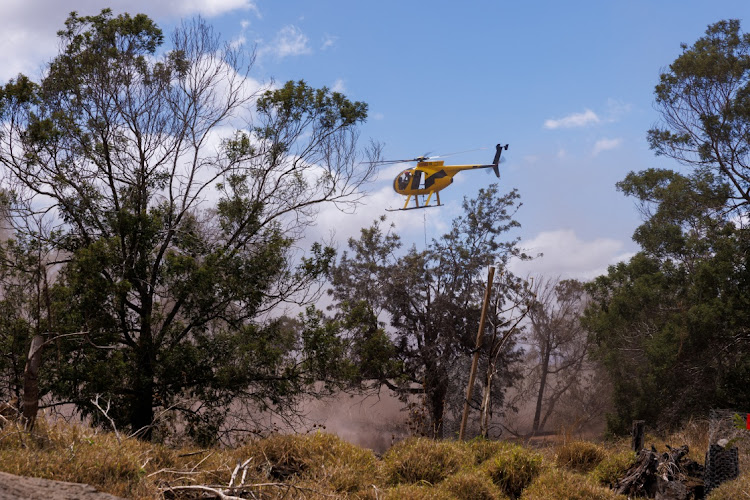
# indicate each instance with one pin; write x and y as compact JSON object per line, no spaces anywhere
{"x":475,"y":360}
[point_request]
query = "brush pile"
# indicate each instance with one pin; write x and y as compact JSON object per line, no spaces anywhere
{"x":666,"y":476}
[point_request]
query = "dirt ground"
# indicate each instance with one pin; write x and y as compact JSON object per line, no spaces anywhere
{"x":18,"y":487}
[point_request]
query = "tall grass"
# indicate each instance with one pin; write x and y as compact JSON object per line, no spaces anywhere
{"x":320,"y":465}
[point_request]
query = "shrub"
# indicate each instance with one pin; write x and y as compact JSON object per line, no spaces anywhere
{"x":421,"y":459}
{"x":562,"y":484}
{"x":580,"y":456}
{"x":513,"y":468}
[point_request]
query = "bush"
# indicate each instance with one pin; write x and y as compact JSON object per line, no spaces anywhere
{"x":563,"y":484}
{"x":580,"y":456}
{"x":513,"y":468}
{"x":421,"y":459}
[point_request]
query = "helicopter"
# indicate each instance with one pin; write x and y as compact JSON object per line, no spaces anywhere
{"x":428,"y":178}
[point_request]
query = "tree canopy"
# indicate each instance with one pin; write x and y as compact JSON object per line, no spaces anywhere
{"x":170,"y":190}
{"x":671,"y":324}
{"x":432,"y":300}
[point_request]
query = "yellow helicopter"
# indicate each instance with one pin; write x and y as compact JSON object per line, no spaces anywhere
{"x":428,"y":178}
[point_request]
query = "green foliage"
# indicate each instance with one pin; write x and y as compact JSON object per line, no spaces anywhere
{"x":433,"y":300}
{"x":175,"y":253}
{"x":668,"y":323}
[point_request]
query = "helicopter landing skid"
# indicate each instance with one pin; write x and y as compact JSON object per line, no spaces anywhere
{"x":411,"y":208}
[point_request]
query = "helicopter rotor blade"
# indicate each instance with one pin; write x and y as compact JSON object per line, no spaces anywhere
{"x":457,"y":153}
{"x":424,"y":157}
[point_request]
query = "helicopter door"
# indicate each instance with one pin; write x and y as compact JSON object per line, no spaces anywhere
{"x":417,"y":179}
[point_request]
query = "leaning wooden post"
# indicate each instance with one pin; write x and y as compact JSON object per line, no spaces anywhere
{"x":475,"y":360}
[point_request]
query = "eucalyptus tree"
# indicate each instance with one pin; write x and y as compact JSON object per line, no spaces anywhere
{"x":671,"y":325}
{"x":423,"y":307}
{"x":176,"y":188}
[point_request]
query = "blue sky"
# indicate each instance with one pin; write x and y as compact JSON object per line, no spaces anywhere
{"x":569,"y":85}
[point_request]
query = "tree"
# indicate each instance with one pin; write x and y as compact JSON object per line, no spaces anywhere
{"x":510,"y":304}
{"x":671,"y":324}
{"x":177,"y":235}
{"x":558,"y":343}
{"x":431,"y":298}
{"x":704,"y":102}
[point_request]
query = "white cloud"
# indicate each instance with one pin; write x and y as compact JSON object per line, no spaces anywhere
{"x":29,"y":39}
{"x":209,"y":8}
{"x":573,"y":120}
{"x":338,"y":86}
{"x":568,"y":256}
{"x":328,"y":42}
{"x":617,"y":108}
{"x":605,"y":145}
{"x":289,"y":41}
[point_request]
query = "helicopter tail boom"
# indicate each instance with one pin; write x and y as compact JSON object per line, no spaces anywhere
{"x":498,"y":151}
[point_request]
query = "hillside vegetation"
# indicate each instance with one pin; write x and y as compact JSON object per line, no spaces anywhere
{"x":320,"y":465}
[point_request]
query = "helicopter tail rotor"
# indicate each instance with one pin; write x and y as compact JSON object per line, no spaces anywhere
{"x":498,"y":151}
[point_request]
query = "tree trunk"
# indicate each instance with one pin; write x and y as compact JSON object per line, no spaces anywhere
{"x":436,"y":387}
{"x":142,"y":413}
{"x":542,"y":386}
{"x":31,"y":381}
{"x":142,"y":416}
{"x":486,"y":410}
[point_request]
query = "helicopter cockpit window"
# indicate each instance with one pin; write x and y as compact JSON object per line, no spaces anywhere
{"x":403,"y":179}
{"x":415,"y":184}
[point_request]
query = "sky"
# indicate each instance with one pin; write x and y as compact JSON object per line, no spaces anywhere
{"x":568,"y":85}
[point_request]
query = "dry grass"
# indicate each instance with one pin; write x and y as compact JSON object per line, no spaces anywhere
{"x":417,"y":492}
{"x":555,"y":483}
{"x":513,"y":468}
{"x":579,"y":456}
{"x":484,"y":449}
{"x":78,"y":454}
{"x":733,"y":490}
{"x":424,"y":460}
{"x":612,"y":466}
{"x":472,"y":485}
{"x":322,"y":466}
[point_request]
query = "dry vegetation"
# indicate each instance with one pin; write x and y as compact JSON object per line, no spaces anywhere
{"x":319,"y":465}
